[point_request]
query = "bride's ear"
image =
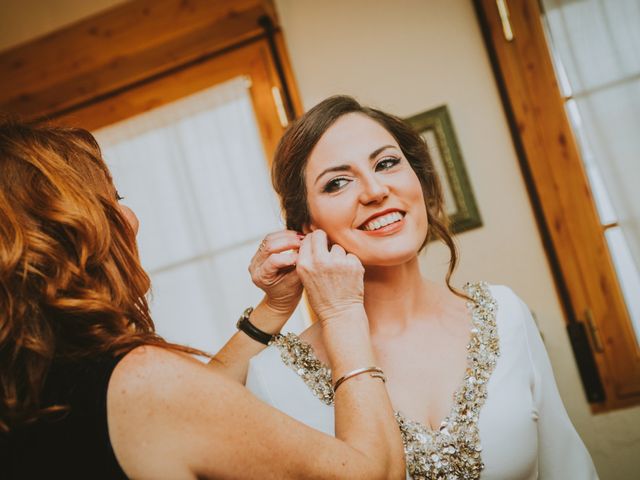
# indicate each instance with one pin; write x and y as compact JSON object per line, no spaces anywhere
{"x":308,"y":228}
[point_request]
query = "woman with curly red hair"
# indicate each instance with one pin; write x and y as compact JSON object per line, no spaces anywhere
{"x":89,"y":390}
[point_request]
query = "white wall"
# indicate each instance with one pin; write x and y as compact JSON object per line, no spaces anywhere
{"x":405,"y":57}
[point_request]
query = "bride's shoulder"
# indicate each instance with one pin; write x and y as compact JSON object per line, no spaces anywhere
{"x":511,"y":312}
{"x":504,"y":296}
{"x":313,"y":336}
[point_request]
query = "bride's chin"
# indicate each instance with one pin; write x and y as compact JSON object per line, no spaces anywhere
{"x":388,"y":261}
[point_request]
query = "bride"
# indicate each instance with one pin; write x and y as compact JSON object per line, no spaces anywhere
{"x":467,"y":372}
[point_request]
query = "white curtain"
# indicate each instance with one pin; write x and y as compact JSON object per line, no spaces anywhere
{"x":597,"y":43}
{"x":195,"y":173}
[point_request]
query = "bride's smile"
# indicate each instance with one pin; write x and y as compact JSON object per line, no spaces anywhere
{"x":385,"y":222}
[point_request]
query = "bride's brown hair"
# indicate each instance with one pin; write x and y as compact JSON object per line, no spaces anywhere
{"x":71,"y":284}
{"x":303,"y":134}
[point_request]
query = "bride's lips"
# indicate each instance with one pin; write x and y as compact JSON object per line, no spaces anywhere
{"x":370,"y":227}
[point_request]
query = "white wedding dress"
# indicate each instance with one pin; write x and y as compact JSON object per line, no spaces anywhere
{"x":508,"y":421}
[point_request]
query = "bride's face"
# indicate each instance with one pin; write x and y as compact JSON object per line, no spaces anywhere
{"x":364,"y":194}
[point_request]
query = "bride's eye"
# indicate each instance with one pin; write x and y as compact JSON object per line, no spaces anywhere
{"x":387,"y":163}
{"x":335,"y":185}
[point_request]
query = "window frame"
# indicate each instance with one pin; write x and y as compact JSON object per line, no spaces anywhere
{"x":251,"y":61}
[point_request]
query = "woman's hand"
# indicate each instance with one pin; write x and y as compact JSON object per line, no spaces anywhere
{"x":273,"y":270}
{"x":333,"y":279}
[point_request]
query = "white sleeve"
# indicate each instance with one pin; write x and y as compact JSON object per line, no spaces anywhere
{"x":561,"y":452}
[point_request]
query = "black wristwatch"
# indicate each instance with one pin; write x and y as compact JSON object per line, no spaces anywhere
{"x":250,"y":329}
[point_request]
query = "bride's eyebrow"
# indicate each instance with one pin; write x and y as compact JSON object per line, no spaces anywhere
{"x":347,"y":168}
{"x":377,"y":151}
{"x":338,"y":168}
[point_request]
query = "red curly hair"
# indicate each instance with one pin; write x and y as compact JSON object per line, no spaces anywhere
{"x":71,"y":284}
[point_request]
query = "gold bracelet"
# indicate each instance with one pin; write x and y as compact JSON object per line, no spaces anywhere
{"x":376,"y":372}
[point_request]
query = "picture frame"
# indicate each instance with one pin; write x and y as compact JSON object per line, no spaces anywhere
{"x":436,"y":128}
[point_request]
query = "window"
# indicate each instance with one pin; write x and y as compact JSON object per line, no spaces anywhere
{"x":195,"y":173}
{"x":553,"y":132}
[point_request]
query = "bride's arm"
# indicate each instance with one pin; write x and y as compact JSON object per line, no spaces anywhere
{"x":273,"y":270}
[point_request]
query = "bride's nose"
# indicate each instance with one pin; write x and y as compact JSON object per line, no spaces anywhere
{"x":373,"y":190}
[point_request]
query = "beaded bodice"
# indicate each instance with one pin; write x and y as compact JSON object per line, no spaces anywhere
{"x":454,"y":450}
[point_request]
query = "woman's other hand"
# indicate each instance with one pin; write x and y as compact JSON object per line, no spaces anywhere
{"x":333,"y":279}
{"x":273,"y":270}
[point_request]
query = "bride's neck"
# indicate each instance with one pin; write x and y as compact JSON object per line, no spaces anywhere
{"x":393,"y":296}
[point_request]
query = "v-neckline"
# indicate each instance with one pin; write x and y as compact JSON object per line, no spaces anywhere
{"x":459,"y":392}
{"x":469,"y":365}
{"x":427,"y":428}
